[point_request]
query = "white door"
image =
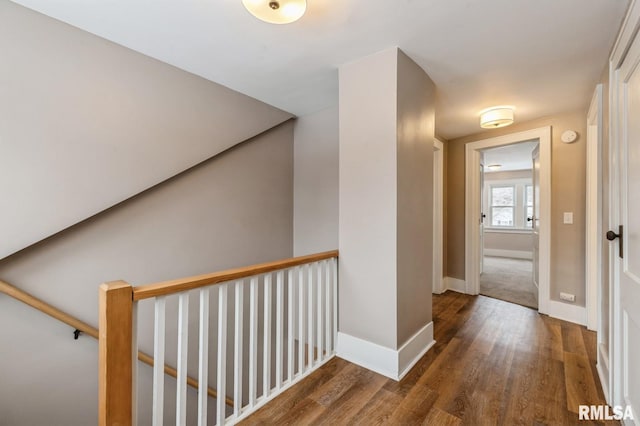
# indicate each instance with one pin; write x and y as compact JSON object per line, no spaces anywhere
{"x":626,"y":247}
{"x":535,"y":218}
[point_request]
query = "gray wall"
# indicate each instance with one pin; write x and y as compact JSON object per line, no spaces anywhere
{"x":368,"y":198}
{"x":86,"y":123}
{"x":234,"y":210}
{"x":315,"y":207}
{"x":386,"y":184}
{"x":508,"y":241}
{"x":415,"y":130}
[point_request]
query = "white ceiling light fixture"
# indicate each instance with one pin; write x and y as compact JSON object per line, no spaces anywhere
{"x":498,"y":116}
{"x":494,"y":167}
{"x":276,"y":11}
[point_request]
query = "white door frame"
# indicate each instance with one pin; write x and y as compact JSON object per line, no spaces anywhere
{"x":438,"y":205}
{"x":593,"y":264}
{"x":594,"y":241}
{"x":472,"y":200}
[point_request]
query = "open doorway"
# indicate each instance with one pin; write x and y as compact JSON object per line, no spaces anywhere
{"x":508,"y":269}
{"x":541,"y":226}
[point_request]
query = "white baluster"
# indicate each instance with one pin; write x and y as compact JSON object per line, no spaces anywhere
{"x":203,"y":357}
{"x":327,"y":307}
{"x":310,"y":297}
{"x":334,"y":302}
{"x":319,"y":313}
{"x":266,"y":346}
{"x":158,"y":364}
{"x":253,"y":341}
{"x":279,"y":327}
{"x":301,"y":318}
{"x":134,"y":366}
{"x":222,"y":354}
{"x":238,"y":365}
{"x":290,"y":328}
{"x":183,"y":351}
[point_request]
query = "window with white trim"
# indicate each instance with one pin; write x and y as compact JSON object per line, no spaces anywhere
{"x":502,"y":205}
{"x":517,"y":205}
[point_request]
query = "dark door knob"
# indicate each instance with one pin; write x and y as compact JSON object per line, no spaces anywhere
{"x":529,"y":219}
{"x":612,"y":236}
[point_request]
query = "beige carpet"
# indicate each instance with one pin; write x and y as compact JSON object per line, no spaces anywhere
{"x":509,"y":279}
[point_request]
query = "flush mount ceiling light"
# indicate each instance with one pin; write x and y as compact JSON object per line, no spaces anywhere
{"x":276,"y":11}
{"x":494,"y":117}
{"x":494,"y":167}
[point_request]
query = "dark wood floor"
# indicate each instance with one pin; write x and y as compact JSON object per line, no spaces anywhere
{"x":493,"y":363}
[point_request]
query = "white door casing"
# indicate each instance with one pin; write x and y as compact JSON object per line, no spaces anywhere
{"x":593,"y":260}
{"x":595,"y":292}
{"x":438,"y":204}
{"x":625,"y":179}
{"x":483,"y":216}
{"x":472,"y":200}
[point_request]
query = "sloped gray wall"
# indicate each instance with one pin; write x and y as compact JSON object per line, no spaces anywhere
{"x":234,"y":210}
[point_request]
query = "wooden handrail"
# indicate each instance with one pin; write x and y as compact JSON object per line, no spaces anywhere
{"x":190,"y":283}
{"x":46,"y":308}
{"x":56,"y":313}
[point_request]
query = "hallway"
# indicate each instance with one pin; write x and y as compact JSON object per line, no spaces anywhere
{"x":493,"y":363}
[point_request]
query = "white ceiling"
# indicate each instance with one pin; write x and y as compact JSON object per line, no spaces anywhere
{"x":510,"y":157}
{"x":543,"y":56}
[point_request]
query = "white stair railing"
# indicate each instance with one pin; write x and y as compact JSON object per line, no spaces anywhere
{"x":289,"y":308}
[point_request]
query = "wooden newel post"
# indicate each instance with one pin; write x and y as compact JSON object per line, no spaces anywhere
{"x":115,"y":381}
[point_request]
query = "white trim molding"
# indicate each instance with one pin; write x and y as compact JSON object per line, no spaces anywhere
{"x":512,"y":254}
{"x":438,"y":205}
{"x":593,"y":255}
{"x":472,"y":209}
{"x":567,"y":312}
{"x":488,"y":230}
{"x":391,"y":363}
{"x":602,"y":366}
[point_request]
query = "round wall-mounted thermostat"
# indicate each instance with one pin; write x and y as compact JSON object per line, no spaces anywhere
{"x":569,"y":136}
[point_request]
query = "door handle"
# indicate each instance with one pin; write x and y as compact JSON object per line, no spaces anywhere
{"x":529,"y":219}
{"x":612,"y":236}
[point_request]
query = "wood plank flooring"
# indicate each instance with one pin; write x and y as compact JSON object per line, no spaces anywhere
{"x":494,"y":363}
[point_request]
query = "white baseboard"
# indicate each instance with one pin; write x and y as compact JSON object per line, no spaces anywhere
{"x":414,"y":348}
{"x":567,"y":312}
{"x":601,"y":365}
{"x":455,"y":284}
{"x":514,"y":254}
{"x":388,"y":362}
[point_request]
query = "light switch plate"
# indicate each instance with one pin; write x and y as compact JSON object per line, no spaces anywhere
{"x":568,"y":297}
{"x":568,"y":218}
